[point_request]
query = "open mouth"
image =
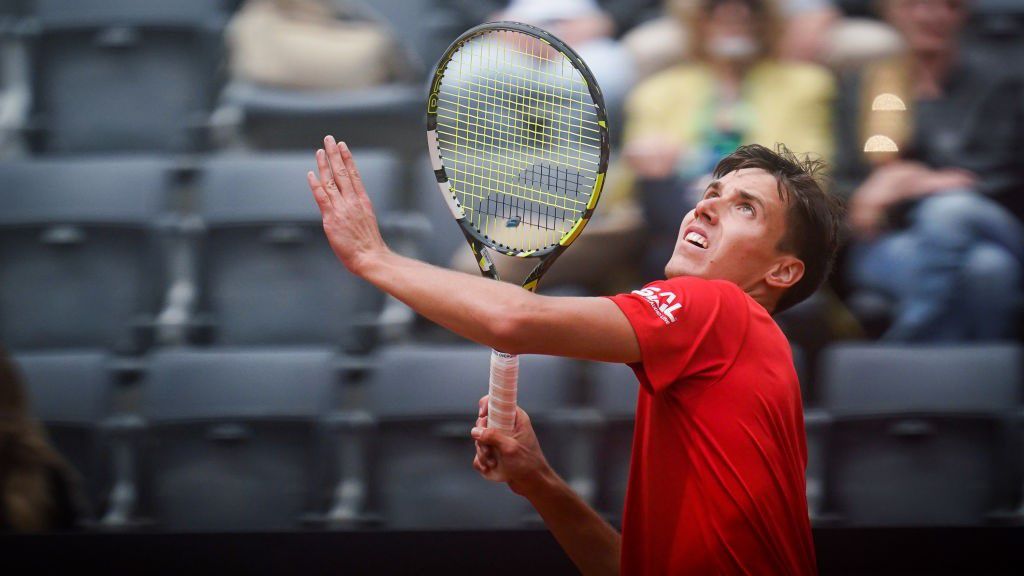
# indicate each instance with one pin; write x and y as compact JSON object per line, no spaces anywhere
{"x":697,"y":239}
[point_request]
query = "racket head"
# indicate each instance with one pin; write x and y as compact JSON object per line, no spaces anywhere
{"x":518,"y":139}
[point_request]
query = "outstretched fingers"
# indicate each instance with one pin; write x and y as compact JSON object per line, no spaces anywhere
{"x":326,"y":177}
{"x":319,"y":194}
{"x":353,"y":173}
{"x":342,"y":178}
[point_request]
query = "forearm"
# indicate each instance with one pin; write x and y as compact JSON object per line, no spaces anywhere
{"x":504,"y":316}
{"x":474,"y":307}
{"x":592,"y":544}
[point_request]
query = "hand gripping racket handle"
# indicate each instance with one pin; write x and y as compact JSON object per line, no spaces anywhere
{"x":501,"y":408}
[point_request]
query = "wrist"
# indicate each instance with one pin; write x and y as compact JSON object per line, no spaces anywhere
{"x":366,"y":264}
{"x":540,"y":485}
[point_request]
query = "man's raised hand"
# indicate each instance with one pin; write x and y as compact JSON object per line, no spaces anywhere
{"x":348,"y":218}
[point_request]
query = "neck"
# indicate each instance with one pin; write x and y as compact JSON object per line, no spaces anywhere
{"x":932,"y":69}
{"x":729,"y":75}
{"x":764,"y":295}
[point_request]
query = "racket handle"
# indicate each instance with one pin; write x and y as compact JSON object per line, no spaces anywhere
{"x":501,"y":408}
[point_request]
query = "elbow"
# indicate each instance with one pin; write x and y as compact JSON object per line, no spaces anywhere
{"x":513,"y":328}
{"x":508,"y":332}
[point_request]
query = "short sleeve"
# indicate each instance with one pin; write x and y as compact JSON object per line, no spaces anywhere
{"x":688,"y":329}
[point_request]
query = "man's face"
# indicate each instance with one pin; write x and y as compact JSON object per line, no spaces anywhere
{"x":733,"y":232}
{"x":927,"y":25}
{"x":730,"y":33}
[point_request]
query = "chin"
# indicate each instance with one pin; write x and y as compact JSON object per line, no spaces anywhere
{"x":675,"y":268}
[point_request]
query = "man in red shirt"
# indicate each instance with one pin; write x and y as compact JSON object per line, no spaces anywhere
{"x":717,"y":476}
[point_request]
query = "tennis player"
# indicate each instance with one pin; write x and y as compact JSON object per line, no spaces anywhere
{"x":716,"y":481}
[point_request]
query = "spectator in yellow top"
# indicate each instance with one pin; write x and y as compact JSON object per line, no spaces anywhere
{"x":682,"y":121}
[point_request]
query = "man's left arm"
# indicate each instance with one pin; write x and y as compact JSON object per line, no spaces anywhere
{"x":516,"y":459}
{"x":497,"y":314}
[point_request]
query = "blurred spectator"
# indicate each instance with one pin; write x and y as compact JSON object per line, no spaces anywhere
{"x":814,"y":30}
{"x":588,"y":30}
{"x":38,"y":489}
{"x":937,"y":220}
{"x":311,"y":44}
{"x":680,"y":122}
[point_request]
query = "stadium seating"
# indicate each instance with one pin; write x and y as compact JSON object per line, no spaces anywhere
{"x":234,"y":438}
{"x":270,"y":118}
{"x":107,"y":12}
{"x":269,"y":275}
{"x":919,"y":435}
{"x":614,"y":388}
{"x":424,"y":27}
{"x":424,"y":400}
{"x":119,"y":76}
{"x":71,"y":393}
{"x":79,"y":263}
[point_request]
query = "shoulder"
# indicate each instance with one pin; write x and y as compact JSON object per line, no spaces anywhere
{"x":983,"y":72}
{"x":702,"y":285}
{"x":717,"y":298}
{"x":790,"y":77}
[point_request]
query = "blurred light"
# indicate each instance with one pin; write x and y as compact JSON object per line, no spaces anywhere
{"x":879,"y":143}
{"x":887,"y":102}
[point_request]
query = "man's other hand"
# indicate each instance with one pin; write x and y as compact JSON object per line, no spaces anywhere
{"x":348,"y":218}
{"x":897,"y":182}
{"x":515,"y":459}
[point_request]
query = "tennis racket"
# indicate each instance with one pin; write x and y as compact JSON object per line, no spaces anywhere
{"x":518,"y":140}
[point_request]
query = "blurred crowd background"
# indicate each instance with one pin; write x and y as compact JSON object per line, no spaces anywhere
{"x":183,"y":351}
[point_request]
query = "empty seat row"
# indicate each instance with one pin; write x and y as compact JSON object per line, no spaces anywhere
{"x":151,"y":76}
{"x":917,"y":435}
{"x":128,"y":76}
{"x":91,"y":251}
{"x":906,"y":436}
{"x":260,"y":439}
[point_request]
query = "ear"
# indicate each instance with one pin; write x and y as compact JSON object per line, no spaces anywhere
{"x":787,"y":271}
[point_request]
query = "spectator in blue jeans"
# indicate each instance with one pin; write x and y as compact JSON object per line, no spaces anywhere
{"x":937,"y":220}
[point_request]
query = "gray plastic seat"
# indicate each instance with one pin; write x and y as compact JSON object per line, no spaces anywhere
{"x":124,"y":76}
{"x":71,"y":394}
{"x":269,"y":275}
{"x":234,"y":438}
{"x":77,"y":13}
{"x":615,"y":389}
{"x":918,"y":435}
{"x":391,"y":116}
{"x":79,"y":264}
{"x":424,"y":27}
{"x":424,"y":399}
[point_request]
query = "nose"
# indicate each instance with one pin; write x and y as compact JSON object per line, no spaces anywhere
{"x":707,"y":210}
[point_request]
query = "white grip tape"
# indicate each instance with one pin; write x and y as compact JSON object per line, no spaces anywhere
{"x":501,"y":409}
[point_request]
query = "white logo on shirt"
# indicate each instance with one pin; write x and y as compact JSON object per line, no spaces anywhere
{"x":661,"y":302}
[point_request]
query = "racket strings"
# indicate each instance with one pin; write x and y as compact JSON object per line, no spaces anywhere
{"x":519,"y":135}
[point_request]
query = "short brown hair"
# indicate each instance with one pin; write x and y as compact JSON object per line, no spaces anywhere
{"x":813,"y":217}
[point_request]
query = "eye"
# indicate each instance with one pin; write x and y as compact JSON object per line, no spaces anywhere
{"x":711,"y":194}
{"x":748,"y":209}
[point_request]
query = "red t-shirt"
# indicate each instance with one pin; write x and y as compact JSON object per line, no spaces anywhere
{"x":716,"y":483}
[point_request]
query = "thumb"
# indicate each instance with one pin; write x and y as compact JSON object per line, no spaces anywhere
{"x":493,"y":438}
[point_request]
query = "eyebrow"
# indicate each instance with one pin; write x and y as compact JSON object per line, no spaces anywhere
{"x":746,"y":195}
{"x":752,"y":198}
